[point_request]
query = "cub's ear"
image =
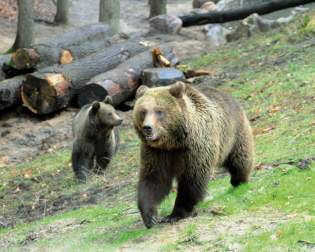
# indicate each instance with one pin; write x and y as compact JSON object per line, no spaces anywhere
{"x":178,"y":89}
{"x":141,"y":90}
{"x":108,"y":100}
{"x":95,"y":106}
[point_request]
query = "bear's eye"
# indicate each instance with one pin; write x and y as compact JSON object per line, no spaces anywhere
{"x":109,"y":114}
{"x":160,"y":114}
{"x":142,"y":114}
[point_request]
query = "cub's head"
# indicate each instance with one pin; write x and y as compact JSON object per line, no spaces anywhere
{"x":158,"y":115}
{"x":104,"y":115}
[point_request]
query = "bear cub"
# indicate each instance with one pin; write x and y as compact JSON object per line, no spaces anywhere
{"x":95,"y":137}
{"x":185,"y":134}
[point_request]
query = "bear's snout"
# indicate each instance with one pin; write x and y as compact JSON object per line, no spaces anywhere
{"x":147,"y":129}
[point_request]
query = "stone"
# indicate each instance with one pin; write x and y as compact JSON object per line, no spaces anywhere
{"x":216,"y":34}
{"x":209,"y":6}
{"x":166,"y":23}
{"x":196,"y":4}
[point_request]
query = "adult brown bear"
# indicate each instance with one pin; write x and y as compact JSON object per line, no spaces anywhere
{"x":185,"y":134}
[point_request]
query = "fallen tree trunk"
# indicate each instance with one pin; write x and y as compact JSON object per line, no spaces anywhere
{"x":40,"y":56}
{"x":10,"y":92}
{"x":52,"y":88}
{"x":121,"y":82}
{"x":213,"y":17}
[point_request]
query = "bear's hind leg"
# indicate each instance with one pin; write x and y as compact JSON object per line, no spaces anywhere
{"x":190,"y":191}
{"x":241,"y":161}
{"x":151,"y":191}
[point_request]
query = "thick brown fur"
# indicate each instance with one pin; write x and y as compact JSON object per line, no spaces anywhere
{"x":186,"y":134}
{"x":95,"y":138}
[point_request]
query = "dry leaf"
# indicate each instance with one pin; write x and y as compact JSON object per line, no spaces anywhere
{"x":274,"y":109}
{"x":268,"y":129}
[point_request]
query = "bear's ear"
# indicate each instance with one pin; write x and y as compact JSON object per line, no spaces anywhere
{"x":141,"y":90}
{"x":178,"y":89}
{"x":95,"y":106}
{"x":108,"y":100}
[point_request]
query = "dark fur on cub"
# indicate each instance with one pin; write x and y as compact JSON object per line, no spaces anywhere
{"x":186,"y":134}
{"x":95,"y":137}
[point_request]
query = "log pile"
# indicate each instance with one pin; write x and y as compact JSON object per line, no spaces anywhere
{"x":78,"y":68}
{"x":121,"y":82}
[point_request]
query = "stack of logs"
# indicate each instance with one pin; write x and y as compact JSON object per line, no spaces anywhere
{"x":83,"y":65}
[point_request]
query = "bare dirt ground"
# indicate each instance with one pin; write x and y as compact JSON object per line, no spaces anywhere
{"x":24,"y":135}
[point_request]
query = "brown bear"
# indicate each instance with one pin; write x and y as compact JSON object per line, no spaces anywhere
{"x":95,"y":137}
{"x":184,"y":135}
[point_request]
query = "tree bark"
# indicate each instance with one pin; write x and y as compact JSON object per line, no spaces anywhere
{"x":10,"y":92}
{"x":157,"y":7}
{"x":41,"y":55}
{"x":62,"y":15}
{"x":24,"y":35}
{"x":238,"y":14}
{"x":120,"y":82}
{"x":52,"y":88}
{"x":110,"y":13}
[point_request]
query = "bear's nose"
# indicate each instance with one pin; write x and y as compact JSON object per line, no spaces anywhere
{"x":147,"y":129}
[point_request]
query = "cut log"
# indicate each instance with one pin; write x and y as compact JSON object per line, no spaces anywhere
{"x":10,"y":92}
{"x":122,"y":81}
{"x":43,"y":93}
{"x":80,"y":35}
{"x":214,"y":17}
{"x":44,"y":55}
{"x":161,"y":76}
{"x":51,"y":89}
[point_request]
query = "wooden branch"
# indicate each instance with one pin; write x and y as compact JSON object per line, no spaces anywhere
{"x":241,"y":13}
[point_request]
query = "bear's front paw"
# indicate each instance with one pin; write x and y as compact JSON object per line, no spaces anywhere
{"x":172,"y":218}
{"x":149,"y":221}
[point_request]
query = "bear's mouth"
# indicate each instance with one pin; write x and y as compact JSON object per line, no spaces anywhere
{"x":151,"y":138}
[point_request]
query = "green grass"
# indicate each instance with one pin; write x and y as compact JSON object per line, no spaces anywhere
{"x":272,"y":75}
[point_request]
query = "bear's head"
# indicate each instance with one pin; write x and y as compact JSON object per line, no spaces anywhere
{"x":159,"y":116}
{"x":103,"y":115}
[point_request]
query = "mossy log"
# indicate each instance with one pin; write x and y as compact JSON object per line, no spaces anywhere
{"x":51,"y":89}
{"x":10,"y":92}
{"x":121,"y":82}
{"x":3,"y":59}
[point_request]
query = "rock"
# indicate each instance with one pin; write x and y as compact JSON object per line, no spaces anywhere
{"x":216,"y":34}
{"x":166,"y":23}
{"x":196,"y":4}
{"x":161,"y":76}
{"x":255,"y":23}
{"x":209,"y":6}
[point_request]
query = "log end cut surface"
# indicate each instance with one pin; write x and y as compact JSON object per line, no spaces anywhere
{"x":91,"y":92}
{"x":25,"y":58}
{"x":45,"y":93}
